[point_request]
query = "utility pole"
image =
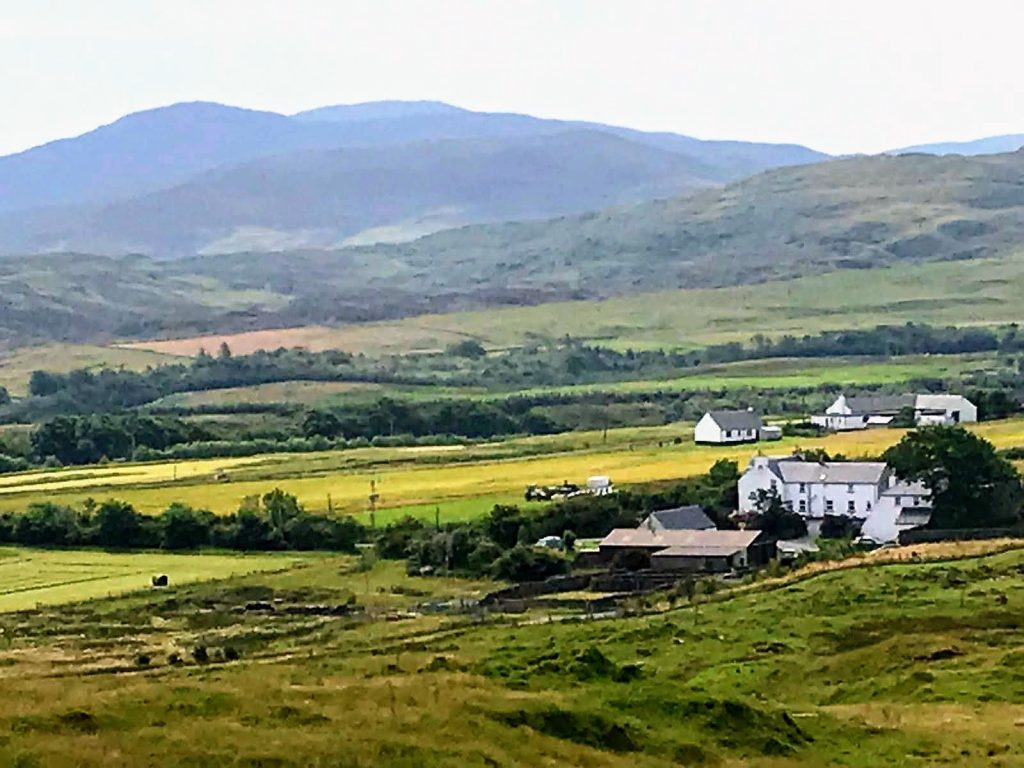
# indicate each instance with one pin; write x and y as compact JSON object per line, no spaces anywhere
{"x":437,"y":518}
{"x":373,"y":499}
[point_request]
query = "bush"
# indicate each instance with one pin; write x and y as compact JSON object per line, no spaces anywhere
{"x":522,"y":563}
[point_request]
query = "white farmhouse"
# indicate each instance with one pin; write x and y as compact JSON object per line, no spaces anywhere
{"x":867,"y":491}
{"x":816,"y":489}
{"x":854,"y":412}
{"x":725,"y":427}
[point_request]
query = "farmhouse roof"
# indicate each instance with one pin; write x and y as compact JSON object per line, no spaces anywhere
{"x":832,"y":472}
{"x":907,"y":489}
{"x":867,"y":404}
{"x":645,"y":538}
{"x":912,"y":517}
{"x":745,"y":420}
{"x":678,"y":519}
{"x":700,"y":550}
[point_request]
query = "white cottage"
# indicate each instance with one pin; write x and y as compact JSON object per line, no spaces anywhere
{"x":725,"y":427}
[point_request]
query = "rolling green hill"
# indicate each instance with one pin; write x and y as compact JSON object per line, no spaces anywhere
{"x":851,"y":215}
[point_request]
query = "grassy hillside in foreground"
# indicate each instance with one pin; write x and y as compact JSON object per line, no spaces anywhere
{"x":903,"y":664}
{"x":978,"y":292}
{"x":463,"y":481}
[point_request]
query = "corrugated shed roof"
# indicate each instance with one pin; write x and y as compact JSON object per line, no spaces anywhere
{"x":736,"y":419}
{"x":679,"y":519}
{"x":699,"y":550}
{"x":648,"y":539}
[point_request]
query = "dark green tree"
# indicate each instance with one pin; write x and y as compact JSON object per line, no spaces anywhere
{"x":183,"y":527}
{"x":971,"y":486}
{"x":117,"y":524}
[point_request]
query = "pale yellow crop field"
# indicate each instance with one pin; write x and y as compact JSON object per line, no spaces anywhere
{"x":30,"y":577}
{"x":423,"y":476}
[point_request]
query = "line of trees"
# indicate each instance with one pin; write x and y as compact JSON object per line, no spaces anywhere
{"x":467,"y":364}
{"x":275,"y":521}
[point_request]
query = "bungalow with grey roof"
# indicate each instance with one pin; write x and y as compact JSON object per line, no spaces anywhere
{"x":730,"y":427}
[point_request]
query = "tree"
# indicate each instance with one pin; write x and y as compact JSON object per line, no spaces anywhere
{"x":183,"y":527}
{"x":5,"y":397}
{"x":774,"y":518}
{"x":224,"y":353}
{"x":906,"y":418}
{"x":470,"y":348}
{"x":117,"y":524}
{"x":971,"y":486}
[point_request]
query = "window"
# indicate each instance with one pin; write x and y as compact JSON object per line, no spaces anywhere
{"x":851,"y":507}
{"x":829,"y":506}
{"x":849,"y":488}
{"x":803,"y":506}
{"x":775,"y":485}
{"x":899,"y":501}
{"x":803,"y":487}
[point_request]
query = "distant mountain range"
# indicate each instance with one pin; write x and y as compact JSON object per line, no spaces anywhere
{"x":990,"y":145}
{"x":202,"y":177}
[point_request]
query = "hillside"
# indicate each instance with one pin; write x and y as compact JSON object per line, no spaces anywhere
{"x":865,"y":663}
{"x":990,"y":145}
{"x":786,"y":223}
{"x":327,"y":198}
{"x":163,"y":147}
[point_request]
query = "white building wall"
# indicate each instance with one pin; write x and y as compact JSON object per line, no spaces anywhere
{"x":821,"y":499}
{"x":957,"y":407}
{"x":757,"y":477}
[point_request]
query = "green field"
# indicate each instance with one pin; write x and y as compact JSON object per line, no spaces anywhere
{"x":774,"y":373}
{"x":904,"y":663}
{"x":462,"y":480}
{"x":30,"y":577}
{"x":976,"y":292}
{"x":785,"y":373}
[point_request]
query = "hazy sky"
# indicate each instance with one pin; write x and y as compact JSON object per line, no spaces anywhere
{"x":838,"y":75}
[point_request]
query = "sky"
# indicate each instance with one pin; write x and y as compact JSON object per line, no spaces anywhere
{"x":837,"y":75}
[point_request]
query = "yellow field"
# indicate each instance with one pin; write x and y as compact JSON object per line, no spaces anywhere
{"x":429,"y":475}
{"x":30,"y":577}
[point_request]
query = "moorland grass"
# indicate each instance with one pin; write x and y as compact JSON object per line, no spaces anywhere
{"x":912,"y":663}
{"x":975,"y":292}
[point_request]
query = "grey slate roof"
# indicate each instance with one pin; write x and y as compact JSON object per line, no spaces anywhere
{"x":855,"y":472}
{"x":679,"y":519}
{"x":869,"y":404}
{"x":907,"y":489}
{"x":730,"y":420}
